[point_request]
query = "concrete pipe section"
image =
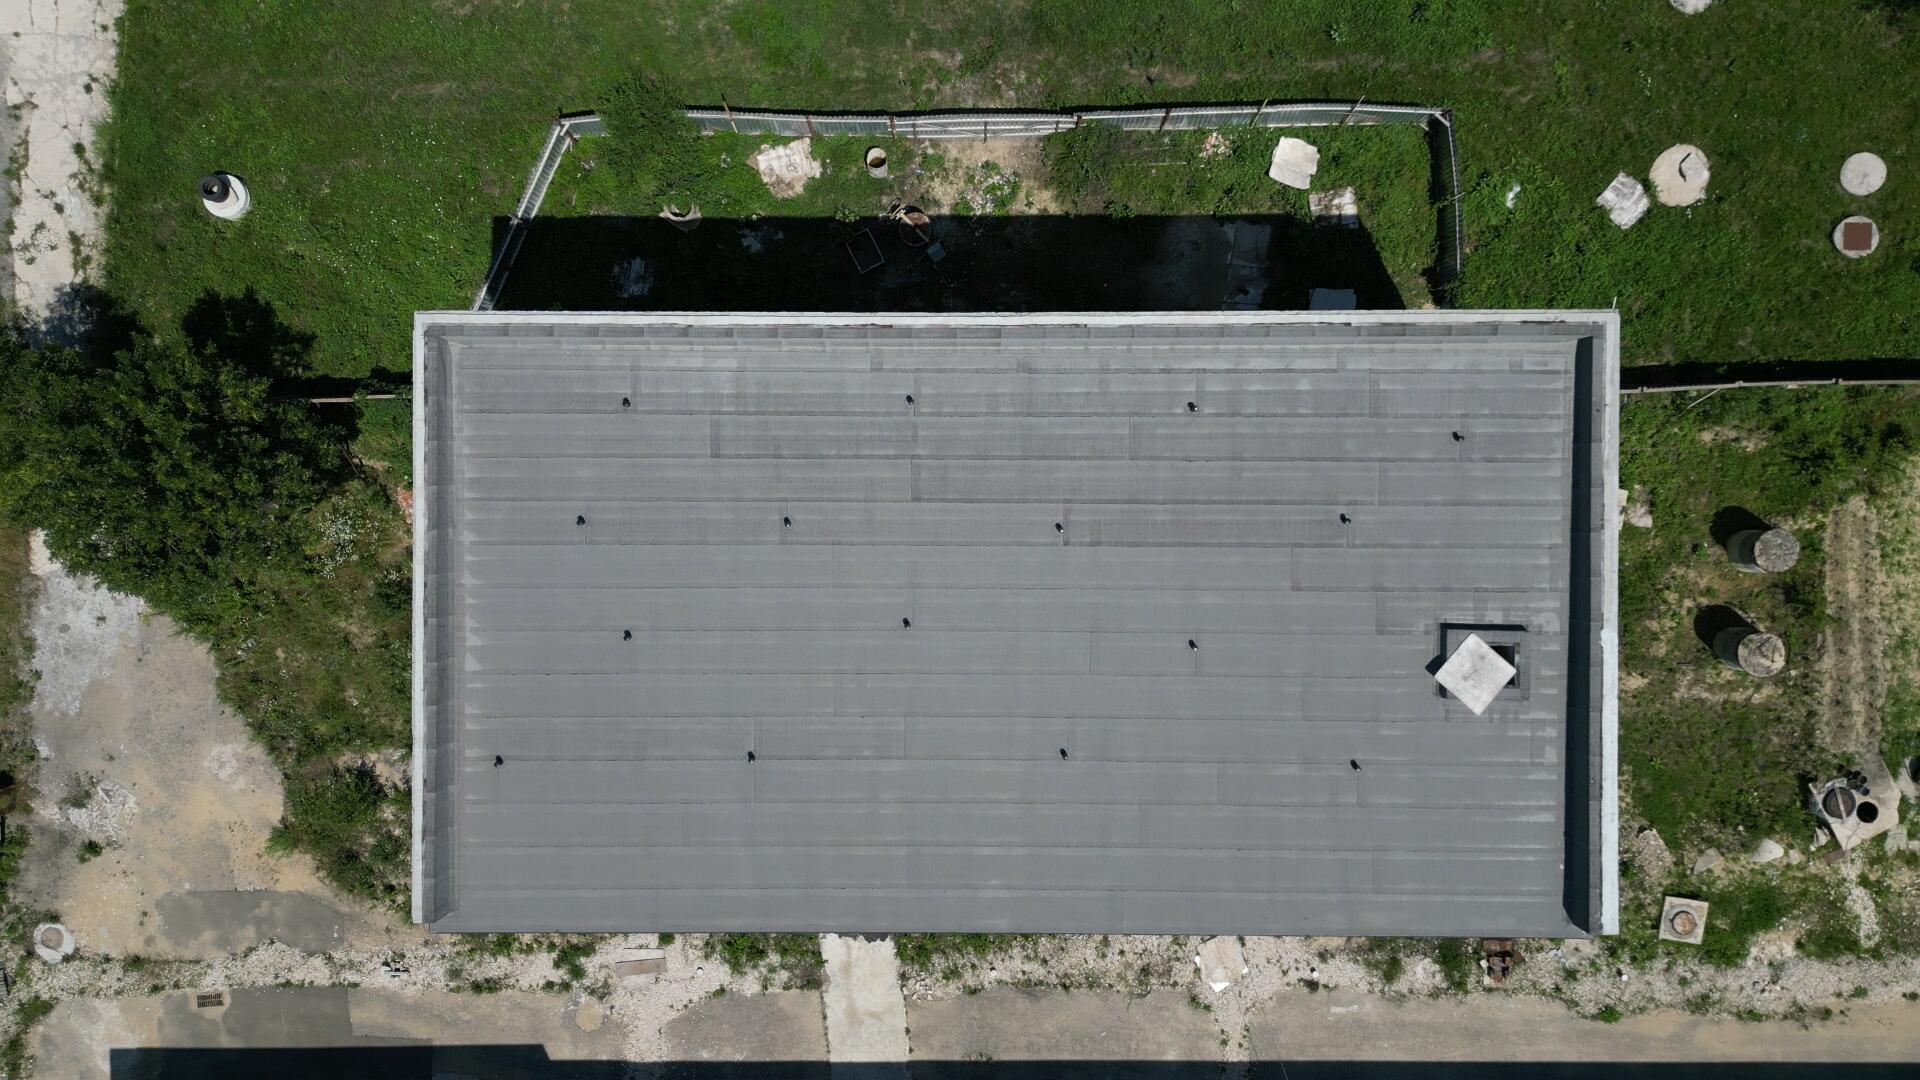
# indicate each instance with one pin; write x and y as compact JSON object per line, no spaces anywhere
{"x":1744,"y":648}
{"x":1764,"y":551}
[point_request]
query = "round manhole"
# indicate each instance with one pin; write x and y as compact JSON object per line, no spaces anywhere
{"x":1867,"y":812}
{"x":1837,"y":803}
{"x":1684,"y":923}
{"x":52,"y":938}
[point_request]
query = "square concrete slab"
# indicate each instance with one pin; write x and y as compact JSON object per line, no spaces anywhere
{"x":1475,"y":674}
{"x":1683,"y":920}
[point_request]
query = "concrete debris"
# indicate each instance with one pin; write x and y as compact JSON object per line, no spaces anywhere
{"x":1649,"y":853}
{"x":1294,"y":163}
{"x":1625,"y":201}
{"x":1708,"y":860}
{"x":642,"y":965}
{"x":1794,"y":858}
{"x":1690,"y":7}
{"x":756,"y":237}
{"x":1338,"y":206}
{"x":105,"y":815}
{"x":1216,"y":145}
{"x":684,"y":220}
{"x":1513,"y":194}
{"x":632,"y":278}
{"x":786,"y":169}
{"x":1639,"y":511}
{"x":1680,"y":175}
{"x":1767,"y":850}
{"x":1863,"y":173}
{"x":1221,"y":963}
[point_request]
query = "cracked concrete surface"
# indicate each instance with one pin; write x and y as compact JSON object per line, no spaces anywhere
{"x":56,"y":59}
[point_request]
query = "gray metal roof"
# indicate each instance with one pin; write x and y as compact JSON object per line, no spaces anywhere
{"x":1167,"y":669}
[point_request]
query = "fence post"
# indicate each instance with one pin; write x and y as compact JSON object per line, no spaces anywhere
{"x":729,"y":109}
{"x":1255,"y":122}
{"x":1164,"y":117}
{"x":1350,"y":112}
{"x":809,"y":119}
{"x":891,"y":129}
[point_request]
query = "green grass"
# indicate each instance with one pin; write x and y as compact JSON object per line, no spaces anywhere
{"x":381,"y":141}
{"x":948,"y":953}
{"x":789,"y":961}
{"x":1713,"y":756}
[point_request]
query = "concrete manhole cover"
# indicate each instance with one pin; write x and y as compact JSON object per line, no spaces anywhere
{"x":1856,"y":236}
{"x":1863,"y":173}
{"x":1680,"y":175}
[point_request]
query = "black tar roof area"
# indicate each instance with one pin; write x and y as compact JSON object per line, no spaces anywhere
{"x":1038,"y":623}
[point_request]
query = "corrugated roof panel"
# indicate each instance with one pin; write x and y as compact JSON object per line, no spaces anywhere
{"x":1059,"y":623}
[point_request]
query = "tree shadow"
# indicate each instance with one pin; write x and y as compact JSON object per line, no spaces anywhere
{"x":1709,"y":621}
{"x":86,"y":318}
{"x":963,"y":263}
{"x":246,"y":330}
{"x":1733,"y":520}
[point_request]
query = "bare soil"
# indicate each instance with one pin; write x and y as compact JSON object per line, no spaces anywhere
{"x":1854,"y":659}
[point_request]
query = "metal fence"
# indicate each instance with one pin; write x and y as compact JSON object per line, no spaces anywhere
{"x":1438,"y":124}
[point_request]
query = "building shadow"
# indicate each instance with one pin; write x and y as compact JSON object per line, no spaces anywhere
{"x":957,"y":263}
{"x":530,"y":1062}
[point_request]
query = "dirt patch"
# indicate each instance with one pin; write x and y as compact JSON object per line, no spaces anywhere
{"x":139,"y":756}
{"x":963,"y":175}
{"x":1854,"y":662}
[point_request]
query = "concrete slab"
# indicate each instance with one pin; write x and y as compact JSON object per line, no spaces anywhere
{"x":326,"y":1032}
{"x":215,"y":922}
{"x":1475,"y":674}
{"x":866,"y":1013}
{"x":1294,"y":163}
{"x":1220,"y":962}
{"x":1625,"y":201}
{"x":747,"y":1029}
{"x":1096,"y":1030}
{"x":1339,"y":1029}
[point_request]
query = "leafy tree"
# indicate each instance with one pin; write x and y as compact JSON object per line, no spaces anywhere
{"x":169,"y":470}
{"x":652,"y":144}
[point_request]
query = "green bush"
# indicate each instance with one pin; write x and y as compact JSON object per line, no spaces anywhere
{"x":354,"y":826}
{"x":651,"y":143}
{"x":794,"y":958}
{"x":171,"y":471}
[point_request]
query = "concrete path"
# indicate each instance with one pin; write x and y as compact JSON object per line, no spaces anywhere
{"x":1479,"y":1032}
{"x":56,"y":59}
{"x":866,"y":1012}
{"x":1007,"y":1024}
